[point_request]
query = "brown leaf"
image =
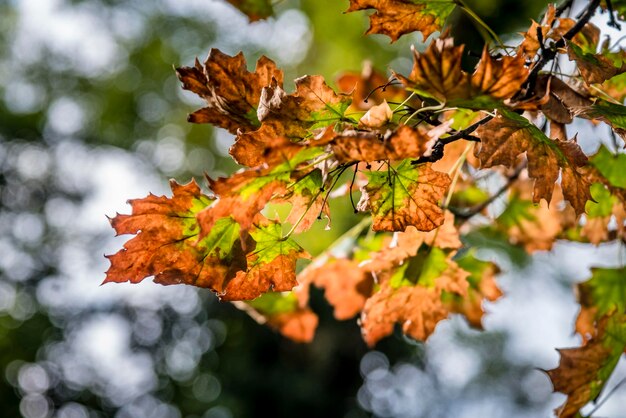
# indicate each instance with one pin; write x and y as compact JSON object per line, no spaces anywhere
{"x":346,"y":286}
{"x":292,"y":115}
{"x":167,"y":244}
{"x":406,"y":195}
{"x":395,"y":18}
{"x":437,"y":71}
{"x":594,"y":68}
{"x":508,"y":135}
{"x":405,"y":142}
{"x":377,"y":116}
{"x":418,"y":308}
{"x":232,"y":92}
{"x":263,"y":146}
{"x":500,"y":78}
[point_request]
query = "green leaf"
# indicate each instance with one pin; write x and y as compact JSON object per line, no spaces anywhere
{"x":608,"y":290}
{"x":220,"y":240}
{"x":423,"y":269}
{"x":254,"y":9}
{"x":604,"y":202}
{"x":517,"y":210}
{"x":271,"y":244}
{"x":274,"y":303}
{"x":611,"y":166}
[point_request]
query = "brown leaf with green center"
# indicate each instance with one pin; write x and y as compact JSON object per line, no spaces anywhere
{"x":254,"y":9}
{"x":271,"y":264}
{"x":437,"y":73}
{"x":508,"y":135}
{"x":357,"y":145}
{"x":167,"y":244}
{"x":232,"y":92}
{"x":313,"y":105}
{"x":404,"y":195}
{"x":413,"y":295}
{"x":594,"y":68}
{"x":395,"y":18}
{"x":245,"y":194}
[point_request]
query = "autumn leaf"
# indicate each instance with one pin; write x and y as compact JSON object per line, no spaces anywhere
{"x":357,"y":145}
{"x":254,"y":9}
{"x":395,"y":18}
{"x":413,"y":296}
{"x":583,"y":372}
{"x":232,"y":92}
{"x":437,"y":74}
{"x":271,"y":264}
{"x":377,"y":116}
{"x":346,"y":286}
{"x":246,"y":193}
{"x":167,"y":244}
{"x":283,"y":312}
{"x":594,"y":68}
{"x":508,"y":135}
{"x":404,"y":195}
{"x":314,"y":104}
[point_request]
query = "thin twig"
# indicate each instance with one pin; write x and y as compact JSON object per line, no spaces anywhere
{"x":466,"y":214}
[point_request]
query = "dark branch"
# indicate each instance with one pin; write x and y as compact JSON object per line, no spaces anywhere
{"x":548,"y":54}
{"x":437,"y":151}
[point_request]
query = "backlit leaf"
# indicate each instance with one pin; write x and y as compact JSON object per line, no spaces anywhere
{"x":395,"y":18}
{"x":404,"y":195}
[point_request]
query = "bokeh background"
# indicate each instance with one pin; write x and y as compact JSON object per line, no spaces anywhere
{"x":91,"y":114}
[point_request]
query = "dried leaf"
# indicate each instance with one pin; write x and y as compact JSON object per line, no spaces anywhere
{"x":613,"y":114}
{"x":365,"y":88}
{"x":313,"y":105}
{"x":594,"y":68}
{"x":403,"y":196}
{"x":508,"y":135}
{"x":395,"y":18}
{"x":377,"y":116}
{"x":232,"y":92}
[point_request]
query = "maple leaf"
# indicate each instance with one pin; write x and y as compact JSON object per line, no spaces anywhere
{"x":583,"y":372}
{"x":356,"y":145}
{"x":167,"y":244}
{"x":283,"y":312}
{"x":395,"y":18}
{"x":245,"y":194}
{"x":313,"y":105}
{"x":414,"y":297}
{"x":377,"y":116}
{"x":508,"y":135}
{"x":254,"y":9}
{"x":404,"y":195}
{"x":270,"y":264}
{"x":232,"y":92}
{"x":346,"y":286}
{"x":437,"y":74}
{"x":594,"y":68}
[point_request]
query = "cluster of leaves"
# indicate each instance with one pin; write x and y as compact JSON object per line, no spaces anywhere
{"x":419,"y":149}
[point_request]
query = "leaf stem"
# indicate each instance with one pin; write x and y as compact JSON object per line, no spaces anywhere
{"x":480,"y":22}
